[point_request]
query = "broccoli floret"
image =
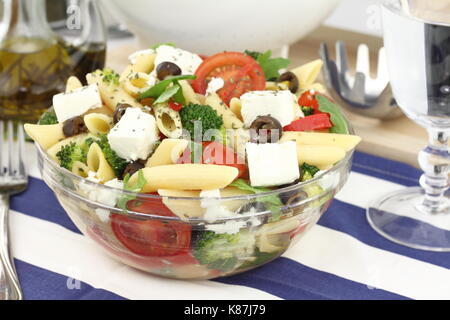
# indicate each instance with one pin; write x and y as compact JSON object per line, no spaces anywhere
{"x":117,"y":163}
{"x":71,"y":153}
{"x":308,"y":111}
{"x":223,"y":252}
{"x":206,"y":115}
{"x":48,"y":117}
{"x":308,"y":171}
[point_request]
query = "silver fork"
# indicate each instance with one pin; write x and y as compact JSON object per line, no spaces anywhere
{"x":362,"y":94}
{"x":13,"y":180}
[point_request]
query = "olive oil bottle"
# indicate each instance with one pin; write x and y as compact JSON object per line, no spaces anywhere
{"x":35,"y":62}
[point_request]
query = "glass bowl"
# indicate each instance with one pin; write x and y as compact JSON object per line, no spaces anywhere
{"x":262,"y":228}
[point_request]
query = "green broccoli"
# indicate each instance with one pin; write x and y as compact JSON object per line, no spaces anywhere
{"x":117,"y":163}
{"x":224,"y":252}
{"x":204,"y":114}
{"x":308,"y":171}
{"x":307,"y":111}
{"x":48,"y":117}
{"x":71,"y":153}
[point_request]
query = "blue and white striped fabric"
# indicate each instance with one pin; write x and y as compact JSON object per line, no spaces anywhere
{"x":340,"y":258}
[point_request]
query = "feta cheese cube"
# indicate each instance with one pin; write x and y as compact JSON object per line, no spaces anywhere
{"x":188,"y":62}
{"x":272,"y":164}
{"x":76,"y":102}
{"x":277,"y":104}
{"x":135,"y":135}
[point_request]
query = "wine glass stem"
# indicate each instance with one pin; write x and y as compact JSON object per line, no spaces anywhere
{"x":435,"y":162}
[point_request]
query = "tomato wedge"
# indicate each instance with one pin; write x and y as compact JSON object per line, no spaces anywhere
{"x":241,"y":73}
{"x":153,"y":237}
{"x":310,"y":123}
{"x":216,"y":153}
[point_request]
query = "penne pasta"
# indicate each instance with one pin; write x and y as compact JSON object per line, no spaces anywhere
{"x":80,"y":169}
{"x":102,"y":110}
{"x":144,"y":63}
{"x":168,"y":121}
{"x":98,"y":123}
{"x":308,"y":73}
{"x":345,"y":141}
{"x":184,"y":209}
{"x":97,"y":163}
{"x":73,"y":83}
{"x":112,"y":94}
{"x":187,"y":177}
{"x":189,"y":94}
{"x":230,"y":120}
{"x":320,"y":156}
{"x":167,"y":152}
{"x":235,"y":107}
{"x":45,"y":135}
{"x":136,"y":83}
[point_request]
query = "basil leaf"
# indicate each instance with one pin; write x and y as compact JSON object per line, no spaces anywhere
{"x":141,"y":182}
{"x":271,"y":67}
{"x":158,"y":89}
{"x":167,"y":94}
{"x":272,"y":200}
{"x":156,"y":46}
{"x":178,"y":97}
{"x":336,"y":116}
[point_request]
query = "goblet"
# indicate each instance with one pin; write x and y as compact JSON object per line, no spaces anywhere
{"x":417,"y":42}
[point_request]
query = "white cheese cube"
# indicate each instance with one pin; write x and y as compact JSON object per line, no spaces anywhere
{"x":135,"y":135}
{"x":76,"y":102}
{"x":277,"y":104}
{"x":272,"y":164}
{"x":187,"y":61}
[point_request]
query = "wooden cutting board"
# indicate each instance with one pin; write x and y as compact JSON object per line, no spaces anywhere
{"x":399,"y":139}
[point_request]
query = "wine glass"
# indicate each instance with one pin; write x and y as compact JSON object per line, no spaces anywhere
{"x":417,"y":42}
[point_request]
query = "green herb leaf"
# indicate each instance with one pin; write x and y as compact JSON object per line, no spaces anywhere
{"x":110,"y":76}
{"x":336,"y":116}
{"x":156,"y":46}
{"x":167,"y":94}
{"x":308,"y":171}
{"x":137,"y":187}
{"x":273,"y":200}
{"x":159,"y":88}
{"x":178,"y":97}
{"x":270,"y":66}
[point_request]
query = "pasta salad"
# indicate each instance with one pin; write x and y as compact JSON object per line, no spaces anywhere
{"x":179,"y":124}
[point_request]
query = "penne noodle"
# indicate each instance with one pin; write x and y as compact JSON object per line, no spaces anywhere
{"x":320,"y":156}
{"x":80,"y":169}
{"x":111,"y":94}
{"x":318,"y":87}
{"x":345,"y":141}
{"x":235,"y":107}
{"x":136,"y":83}
{"x":73,"y":83}
{"x":187,"y":177}
{"x":168,"y":121}
{"x":144,"y":63}
{"x":168,"y":152}
{"x":97,"y":163}
{"x":98,"y":123}
{"x":102,"y":110}
{"x":230,"y":120}
{"x":234,"y":205}
{"x":308,"y":73}
{"x":45,"y":135}
{"x":184,"y":209}
{"x":189,"y":94}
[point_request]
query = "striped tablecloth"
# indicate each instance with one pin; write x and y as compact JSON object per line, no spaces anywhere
{"x":340,"y":258}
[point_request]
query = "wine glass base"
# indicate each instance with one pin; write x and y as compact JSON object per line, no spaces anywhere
{"x":397,"y":217}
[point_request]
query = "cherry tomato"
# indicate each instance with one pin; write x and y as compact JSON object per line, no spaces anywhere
{"x":175,"y":106}
{"x":153,"y":237}
{"x":241,"y":73}
{"x":216,"y":153}
{"x":153,"y":206}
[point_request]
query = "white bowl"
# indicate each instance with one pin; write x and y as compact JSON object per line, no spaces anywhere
{"x":210,"y":26}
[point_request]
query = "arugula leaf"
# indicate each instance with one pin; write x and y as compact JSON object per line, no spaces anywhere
{"x":158,"y":89}
{"x":272,"y":200}
{"x":336,"y":116}
{"x":270,"y":66}
{"x":137,"y":187}
{"x":156,"y":46}
{"x":167,"y":94}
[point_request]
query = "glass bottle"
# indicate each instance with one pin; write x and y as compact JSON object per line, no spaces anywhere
{"x":35,"y":61}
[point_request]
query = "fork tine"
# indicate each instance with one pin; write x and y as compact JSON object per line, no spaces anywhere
{"x":21,"y":141}
{"x":341,"y":57}
{"x":382,"y":72}
{"x":363,"y":60}
{"x":10,"y":137}
{"x":2,"y":128}
{"x":323,"y":51}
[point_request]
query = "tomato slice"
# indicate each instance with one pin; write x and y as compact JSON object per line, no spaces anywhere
{"x":175,"y":105}
{"x":153,"y":206}
{"x":216,"y":153}
{"x":240,"y":73}
{"x":153,"y":237}
{"x":310,"y":123}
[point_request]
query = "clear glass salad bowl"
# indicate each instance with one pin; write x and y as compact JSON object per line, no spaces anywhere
{"x":264,"y":227}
